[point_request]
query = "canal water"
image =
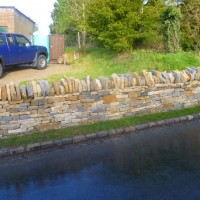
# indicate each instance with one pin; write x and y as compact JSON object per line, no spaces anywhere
{"x":155,"y":164}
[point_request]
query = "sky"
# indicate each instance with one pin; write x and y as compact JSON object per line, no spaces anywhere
{"x":37,"y":10}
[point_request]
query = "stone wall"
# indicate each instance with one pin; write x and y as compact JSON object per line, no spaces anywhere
{"x":39,"y":106}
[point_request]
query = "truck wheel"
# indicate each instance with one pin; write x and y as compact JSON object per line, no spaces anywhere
{"x":1,"y":70}
{"x":41,"y":62}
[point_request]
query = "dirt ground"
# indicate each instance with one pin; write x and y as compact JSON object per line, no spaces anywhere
{"x":18,"y":74}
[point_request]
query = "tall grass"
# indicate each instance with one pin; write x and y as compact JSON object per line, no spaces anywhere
{"x":102,"y":62}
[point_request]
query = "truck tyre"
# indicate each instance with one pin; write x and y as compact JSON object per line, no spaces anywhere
{"x":1,"y":70}
{"x":41,"y":62}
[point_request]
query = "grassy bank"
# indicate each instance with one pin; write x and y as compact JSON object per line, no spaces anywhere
{"x":102,"y":62}
{"x":86,"y":129}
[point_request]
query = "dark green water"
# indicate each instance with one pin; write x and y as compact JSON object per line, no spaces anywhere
{"x":155,"y":164}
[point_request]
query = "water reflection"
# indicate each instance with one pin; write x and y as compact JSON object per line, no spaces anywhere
{"x":161,"y":163}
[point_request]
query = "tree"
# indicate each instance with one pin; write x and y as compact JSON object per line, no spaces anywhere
{"x":171,"y":21}
{"x":190,"y":26}
{"x":69,"y":16}
{"x":152,"y":22}
{"x":60,"y":17}
{"x":125,"y":24}
{"x":78,"y":11}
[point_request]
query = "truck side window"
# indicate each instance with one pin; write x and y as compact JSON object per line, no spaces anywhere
{"x":22,"y":41}
{"x":2,"y":40}
{"x":10,"y":40}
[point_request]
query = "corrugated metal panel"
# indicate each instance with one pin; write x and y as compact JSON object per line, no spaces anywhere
{"x":56,"y":46}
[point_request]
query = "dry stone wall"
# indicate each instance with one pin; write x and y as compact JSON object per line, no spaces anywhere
{"x":40,"y":107}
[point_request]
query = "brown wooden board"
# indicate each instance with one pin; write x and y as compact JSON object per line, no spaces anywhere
{"x":56,"y":46}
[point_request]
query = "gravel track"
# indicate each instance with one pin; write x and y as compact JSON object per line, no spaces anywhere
{"x":19,"y":74}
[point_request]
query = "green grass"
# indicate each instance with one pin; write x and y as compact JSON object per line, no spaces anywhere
{"x":91,"y":128}
{"x":102,"y":62}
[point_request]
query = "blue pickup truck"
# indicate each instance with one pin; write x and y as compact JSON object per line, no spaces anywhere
{"x":16,"y":49}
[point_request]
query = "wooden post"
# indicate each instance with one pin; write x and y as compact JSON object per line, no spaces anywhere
{"x":79,"y":41}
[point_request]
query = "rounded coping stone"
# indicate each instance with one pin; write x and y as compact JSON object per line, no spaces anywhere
{"x":130,"y":129}
{"x":102,"y":134}
{"x":58,"y":142}
{"x":47,"y":145}
{"x":4,"y":153}
{"x":161,"y":122}
{"x":170,"y":121}
{"x":112,"y":132}
{"x":196,"y":116}
{"x":17,"y":150}
{"x":141,"y":126}
{"x":183,"y":118}
{"x":152,"y":124}
{"x":176,"y":120}
{"x":33,"y":147}
{"x":79,"y":138}
{"x":190,"y":117}
{"x":67,"y":141}
{"x":120,"y":130}
{"x":91,"y":136}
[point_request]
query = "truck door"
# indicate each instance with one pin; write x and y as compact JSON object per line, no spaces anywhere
{"x":11,"y":53}
{"x":25,"y":50}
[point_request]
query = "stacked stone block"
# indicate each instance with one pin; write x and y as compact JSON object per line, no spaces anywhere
{"x":39,"y":106}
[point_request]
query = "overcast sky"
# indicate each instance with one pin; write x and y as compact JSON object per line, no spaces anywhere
{"x":38,"y":10}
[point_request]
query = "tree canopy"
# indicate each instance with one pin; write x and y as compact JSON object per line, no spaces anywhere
{"x":126,"y":24}
{"x":190,"y":26}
